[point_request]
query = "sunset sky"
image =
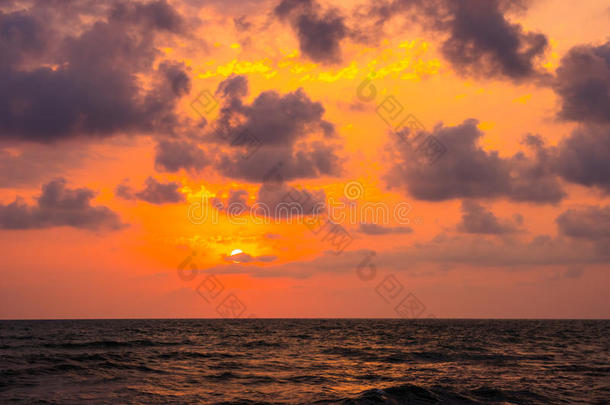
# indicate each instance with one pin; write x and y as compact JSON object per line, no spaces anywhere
{"x":464,"y":146}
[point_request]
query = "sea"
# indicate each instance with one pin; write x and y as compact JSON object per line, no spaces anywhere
{"x":305,"y":361}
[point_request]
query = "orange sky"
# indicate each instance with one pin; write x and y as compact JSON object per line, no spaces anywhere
{"x":470,"y":245}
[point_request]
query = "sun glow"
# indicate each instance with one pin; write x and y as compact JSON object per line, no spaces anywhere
{"x":236,"y":252}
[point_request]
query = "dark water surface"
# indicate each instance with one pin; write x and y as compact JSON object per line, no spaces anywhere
{"x":305,"y":361}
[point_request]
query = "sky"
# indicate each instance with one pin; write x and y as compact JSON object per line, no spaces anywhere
{"x":304,"y":158}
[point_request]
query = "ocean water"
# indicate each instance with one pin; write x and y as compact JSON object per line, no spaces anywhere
{"x":289,"y":361}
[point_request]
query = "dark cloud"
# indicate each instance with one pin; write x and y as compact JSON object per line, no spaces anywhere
{"x":320,"y":33}
{"x":314,"y":160}
{"x":478,"y":220}
{"x":154,"y":192}
{"x":172,"y":156}
{"x":21,"y":38}
{"x":242,"y":23}
{"x":156,"y":14}
{"x":251,"y":138}
{"x":93,"y":88}
{"x":272,"y":118}
{"x":235,"y":204}
{"x":59,"y":206}
{"x":480,"y":40}
{"x":234,"y":87}
{"x":32,"y":164}
{"x":583,"y":157}
{"x":591,"y":223}
{"x":469,"y":171}
{"x":175,"y":73}
{"x":533,"y":175}
{"x":124,"y":191}
{"x":465,"y":171}
{"x":374,"y":229}
{"x":160,"y":193}
{"x":284,"y":201}
{"x":583,"y":84}
{"x":275,"y":201}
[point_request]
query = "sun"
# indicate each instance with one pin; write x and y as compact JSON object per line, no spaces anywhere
{"x":236,"y":252}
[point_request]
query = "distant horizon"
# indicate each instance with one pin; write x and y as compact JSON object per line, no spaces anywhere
{"x":329,"y":318}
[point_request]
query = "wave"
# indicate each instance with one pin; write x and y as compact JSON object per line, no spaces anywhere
{"x":404,"y":394}
{"x":105,"y":344}
{"x":262,"y":343}
{"x":414,"y":394}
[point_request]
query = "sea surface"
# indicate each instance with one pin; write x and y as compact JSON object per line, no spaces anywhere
{"x":291,"y":361}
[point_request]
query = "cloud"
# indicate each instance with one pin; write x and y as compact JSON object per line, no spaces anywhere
{"x":235,"y":204}
{"x":155,"y":192}
{"x":124,"y":191}
{"x":478,"y":251}
{"x":283,"y":201}
{"x":583,"y":157}
{"x":233,"y":88}
{"x":23,"y":37}
{"x":32,"y":164}
{"x":274,"y":201}
{"x":59,"y":206}
{"x":229,"y":8}
{"x":251,"y":138}
{"x":533,"y":175}
{"x":156,"y":14}
{"x":583,"y":84}
{"x":573,"y":273}
{"x":272,"y":118}
{"x":314,"y":160}
{"x":242,"y":23}
{"x":325,"y":263}
{"x":245,"y":258}
{"x":176,"y":75}
{"x":589,"y":223}
{"x":171,"y":156}
{"x":478,"y":220}
{"x":374,"y":229}
{"x":480,"y":40}
{"x":319,"y":33}
{"x":60,"y":83}
{"x":469,"y":171}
